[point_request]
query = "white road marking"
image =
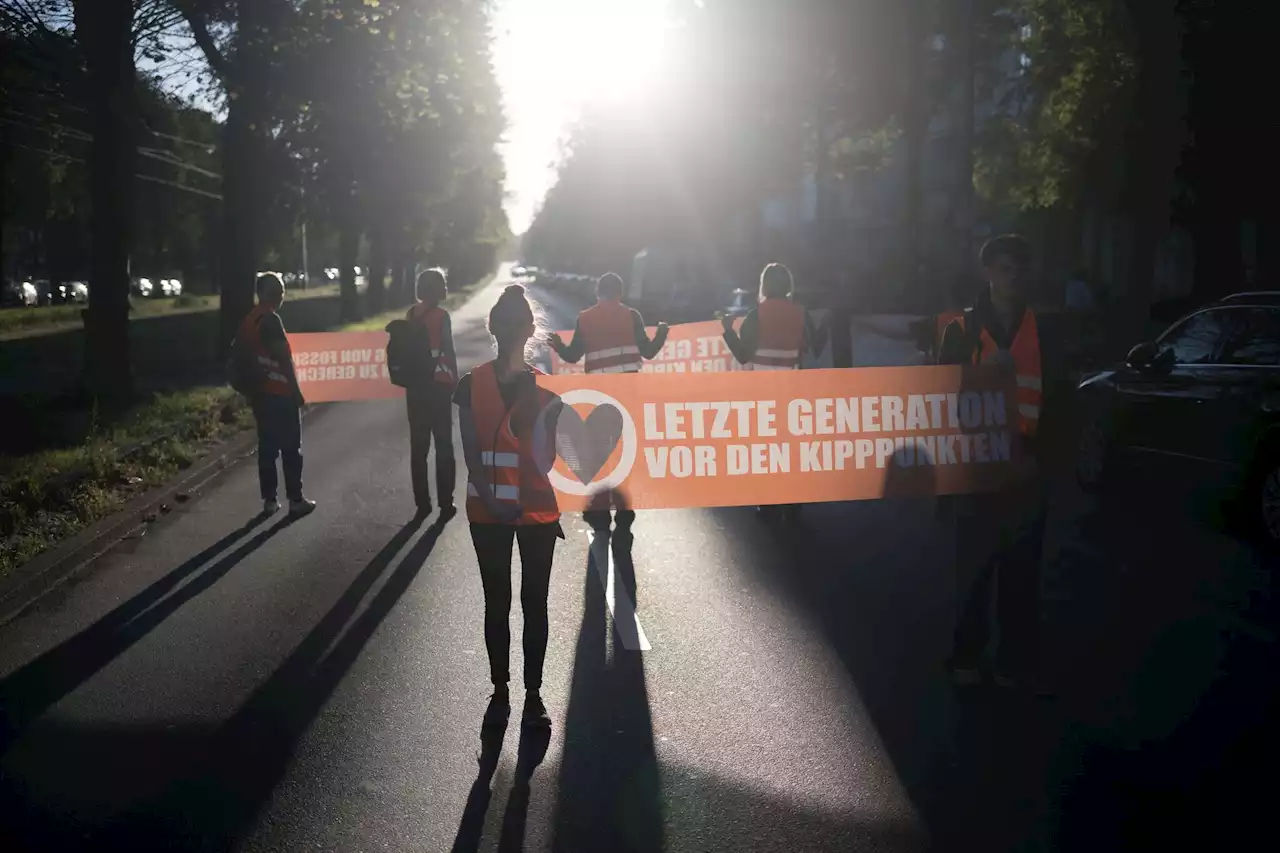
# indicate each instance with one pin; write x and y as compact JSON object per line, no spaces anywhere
{"x":625,"y":620}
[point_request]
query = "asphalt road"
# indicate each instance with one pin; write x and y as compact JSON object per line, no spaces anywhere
{"x":220,"y":684}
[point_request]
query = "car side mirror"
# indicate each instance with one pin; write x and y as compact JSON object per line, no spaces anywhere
{"x":1141,"y":356}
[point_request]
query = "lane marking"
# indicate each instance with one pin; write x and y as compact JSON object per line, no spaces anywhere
{"x":625,"y":620}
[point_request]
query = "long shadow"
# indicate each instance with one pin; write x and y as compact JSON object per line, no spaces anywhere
{"x":210,"y":807}
{"x":609,"y":798}
{"x":471,"y":828}
{"x":29,"y":691}
{"x":533,"y":749}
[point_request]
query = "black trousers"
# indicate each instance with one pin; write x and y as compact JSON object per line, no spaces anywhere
{"x":431,"y":416}
{"x":279,"y":435}
{"x":537,"y":543}
{"x":999,"y":542}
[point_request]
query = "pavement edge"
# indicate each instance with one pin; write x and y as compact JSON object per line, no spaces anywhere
{"x":25,"y":585}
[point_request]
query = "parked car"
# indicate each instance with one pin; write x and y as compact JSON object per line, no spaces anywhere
{"x":1202,"y":401}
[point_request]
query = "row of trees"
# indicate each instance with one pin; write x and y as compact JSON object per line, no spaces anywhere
{"x":1112,"y":105}
{"x":377,"y":119}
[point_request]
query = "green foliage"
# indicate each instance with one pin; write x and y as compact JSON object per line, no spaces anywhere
{"x":1065,"y":113}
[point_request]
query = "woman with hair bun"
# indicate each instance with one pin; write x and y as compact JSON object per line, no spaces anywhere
{"x":510,"y":501}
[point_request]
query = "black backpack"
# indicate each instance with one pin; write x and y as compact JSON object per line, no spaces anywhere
{"x":244,"y":374}
{"x":409,"y":358}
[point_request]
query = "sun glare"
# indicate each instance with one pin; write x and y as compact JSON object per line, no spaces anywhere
{"x":554,"y":57}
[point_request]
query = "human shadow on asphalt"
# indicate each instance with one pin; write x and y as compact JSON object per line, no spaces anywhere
{"x":29,"y":691}
{"x":609,"y":795}
{"x":471,"y":828}
{"x":876,"y":577}
{"x":529,"y":755}
{"x":210,"y":805}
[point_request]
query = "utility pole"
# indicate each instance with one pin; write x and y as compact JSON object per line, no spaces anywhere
{"x":306,"y":270}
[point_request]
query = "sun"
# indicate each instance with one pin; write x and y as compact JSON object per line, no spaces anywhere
{"x":553,"y":57}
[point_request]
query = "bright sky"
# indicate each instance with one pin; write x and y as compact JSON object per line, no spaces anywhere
{"x":552,"y":56}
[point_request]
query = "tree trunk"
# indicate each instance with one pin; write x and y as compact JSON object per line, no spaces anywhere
{"x":1154,"y":147}
{"x":348,"y":251}
{"x":914,"y":132}
{"x":377,"y":299}
{"x":239,"y":256}
{"x":104,"y":30}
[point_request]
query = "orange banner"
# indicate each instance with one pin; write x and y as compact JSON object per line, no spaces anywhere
{"x":690,"y":348}
{"x":335,"y":366}
{"x":665,"y":442}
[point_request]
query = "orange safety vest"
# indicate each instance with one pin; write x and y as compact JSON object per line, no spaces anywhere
{"x":432,"y":319}
{"x":779,"y":335}
{"x":609,"y":338}
{"x":1026,"y":359}
{"x":274,"y":380}
{"x":509,"y":464}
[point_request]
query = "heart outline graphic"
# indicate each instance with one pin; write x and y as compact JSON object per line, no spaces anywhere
{"x":586,"y":445}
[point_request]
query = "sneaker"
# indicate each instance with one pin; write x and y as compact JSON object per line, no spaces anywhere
{"x":498,"y":712}
{"x":270,"y":507}
{"x":535,"y":713}
{"x":297,"y":509}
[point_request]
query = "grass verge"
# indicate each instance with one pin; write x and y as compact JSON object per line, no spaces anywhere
{"x":48,"y":496}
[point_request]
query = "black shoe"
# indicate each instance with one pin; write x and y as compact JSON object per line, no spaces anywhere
{"x":448,"y":510}
{"x":535,"y":713}
{"x":498,"y":712}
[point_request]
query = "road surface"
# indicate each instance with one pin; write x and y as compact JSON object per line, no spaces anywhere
{"x":221,"y":684}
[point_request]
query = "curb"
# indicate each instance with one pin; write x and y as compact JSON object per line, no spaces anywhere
{"x":28,"y":583}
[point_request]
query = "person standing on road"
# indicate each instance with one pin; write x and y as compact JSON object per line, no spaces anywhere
{"x":775,"y":335}
{"x":510,"y":500}
{"x":277,"y":403}
{"x":999,"y":536}
{"x":611,"y":336}
{"x":428,"y":402}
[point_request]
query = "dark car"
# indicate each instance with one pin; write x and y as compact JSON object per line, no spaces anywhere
{"x":1202,"y":402}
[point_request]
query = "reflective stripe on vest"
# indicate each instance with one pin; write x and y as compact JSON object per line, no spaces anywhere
{"x":432,"y":319}
{"x":274,"y":379}
{"x":779,"y":335}
{"x":609,"y":338}
{"x":506,"y":464}
{"x":1027,"y":368}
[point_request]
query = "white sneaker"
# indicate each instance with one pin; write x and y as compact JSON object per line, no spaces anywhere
{"x":270,"y":507}
{"x":297,"y":509}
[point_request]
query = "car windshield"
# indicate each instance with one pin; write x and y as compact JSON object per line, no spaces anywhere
{"x":1196,"y":339}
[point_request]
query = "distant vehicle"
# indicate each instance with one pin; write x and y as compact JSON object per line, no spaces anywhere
{"x":743,"y":302}
{"x":520,"y":271}
{"x":79,"y":291}
{"x":18,"y":294}
{"x":1202,"y":402}
{"x":143,"y":287}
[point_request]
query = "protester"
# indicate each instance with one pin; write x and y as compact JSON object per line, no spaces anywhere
{"x":277,"y":400}
{"x":427,"y":401}
{"x":999,"y":536}
{"x":510,"y":499}
{"x":774,"y":336}
{"x":612,"y":338}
